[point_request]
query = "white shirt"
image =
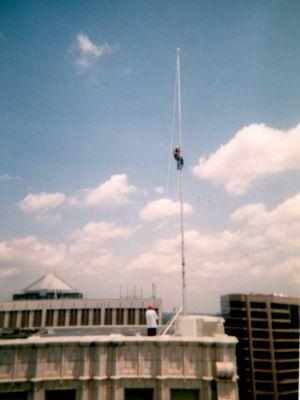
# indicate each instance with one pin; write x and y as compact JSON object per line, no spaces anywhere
{"x":151,"y":318}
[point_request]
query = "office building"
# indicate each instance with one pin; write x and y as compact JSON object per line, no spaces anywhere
{"x":52,"y":303}
{"x":267,"y":327}
{"x":195,"y":363}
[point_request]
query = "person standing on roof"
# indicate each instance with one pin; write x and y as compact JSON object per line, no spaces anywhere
{"x":151,"y":319}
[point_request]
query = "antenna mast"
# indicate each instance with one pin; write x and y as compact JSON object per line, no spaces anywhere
{"x":179,"y":159}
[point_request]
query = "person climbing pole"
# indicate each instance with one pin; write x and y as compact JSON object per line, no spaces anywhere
{"x":178,"y":157}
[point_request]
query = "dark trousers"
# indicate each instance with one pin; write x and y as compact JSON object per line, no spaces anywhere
{"x":152,"y":331}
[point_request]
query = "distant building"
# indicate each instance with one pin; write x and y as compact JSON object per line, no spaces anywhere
{"x":197,"y":362}
{"x":51,"y":302}
{"x":267,"y":327}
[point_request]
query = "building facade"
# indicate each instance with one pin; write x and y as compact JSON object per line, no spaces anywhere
{"x":52,"y":303}
{"x":267,"y":327}
{"x":117,"y":367}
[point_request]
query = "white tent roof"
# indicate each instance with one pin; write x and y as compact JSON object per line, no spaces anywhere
{"x":50,"y":282}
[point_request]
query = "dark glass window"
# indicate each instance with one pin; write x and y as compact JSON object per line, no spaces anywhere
{"x":73,"y":317}
{"x":285,"y":387}
{"x":108,"y":316}
{"x":2,"y":318}
{"x":120,"y":316}
{"x":264,"y":386}
{"x":264,"y":376}
{"x":25,"y":318}
{"x":265,"y":365}
{"x":294,"y":312}
{"x":237,"y":304}
{"x":260,"y":334}
{"x":261,"y":344}
{"x":259,"y":314}
{"x":12,"y":320}
{"x":61,"y":318}
{"x":259,"y":324}
{"x":85,"y":316}
{"x":138,"y":394}
{"x":287,"y":355}
{"x":97,"y":316}
{"x":60,"y":394}
{"x":49,"y":317}
{"x":131,"y":316}
{"x":286,"y":345}
{"x":281,"y":325}
{"x":263,"y":355}
{"x":281,"y":366}
{"x":186,"y":394}
{"x":37,"y":318}
{"x":279,"y":306}
{"x":258,"y":304}
{"x":287,"y":375}
{"x":280,"y":315}
{"x":285,"y":335}
{"x":238,"y":313}
{"x":142,"y":316}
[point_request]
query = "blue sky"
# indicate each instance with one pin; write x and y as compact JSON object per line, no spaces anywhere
{"x":86,"y":115}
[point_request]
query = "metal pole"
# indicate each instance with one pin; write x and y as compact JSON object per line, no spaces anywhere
{"x":181,"y":188}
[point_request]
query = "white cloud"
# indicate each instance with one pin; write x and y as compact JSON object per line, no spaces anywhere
{"x":255,"y":151}
{"x":86,"y":52}
{"x":41,"y":202}
{"x":260,"y":252}
{"x":163,"y":208}
{"x":96,"y":233}
{"x":113,"y":191}
{"x":30,"y":251}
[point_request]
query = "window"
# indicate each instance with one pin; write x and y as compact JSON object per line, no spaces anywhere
{"x":131,"y":316}
{"x":263,"y":355}
{"x":264,"y":386}
{"x":260,"y":334}
{"x":84,"y":316}
{"x":73,"y":317}
{"x":120,"y":316}
{"x":49,"y":317}
{"x":294,"y":312}
{"x":258,"y":304}
{"x":259,"y":324}
{"x":237,"y":304}
{"x":12,"y":321}
{"x":61,"y":318}
{"x":108,"y":316}
{"x":279,"y":306}
{"x":138,"y":394}
{"x":184,"y":394}
{"x":37,"y":318}
{"x":238,"y":313}
{"x":264,"y":376}
{"x":2,"y":318}
{"x":261,"y":344}
{"x":14,"y":396}
{"x":287,"y":355}
{"x":25,"y":318}
{"x":142,"y":316}
{"x":60,"y":395}
{"x":280,"y":315}
{"x":97,"y":316}
{"x":259,"y":314}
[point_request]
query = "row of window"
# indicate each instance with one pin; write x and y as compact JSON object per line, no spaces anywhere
{"x":129,"y":394}
{"x":83,"y":318}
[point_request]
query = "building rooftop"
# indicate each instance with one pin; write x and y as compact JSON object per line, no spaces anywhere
{"x":49,"y":282}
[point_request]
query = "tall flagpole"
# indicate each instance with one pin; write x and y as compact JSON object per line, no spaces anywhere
{"x":181,"y":188}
